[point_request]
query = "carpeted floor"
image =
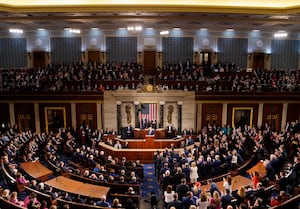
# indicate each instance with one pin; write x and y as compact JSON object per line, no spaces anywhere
{"x":150,"y":183}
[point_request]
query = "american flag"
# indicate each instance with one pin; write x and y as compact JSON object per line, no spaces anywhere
{"x":149,"y":111}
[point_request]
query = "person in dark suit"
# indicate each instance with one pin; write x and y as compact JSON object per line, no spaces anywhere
{"x":175,"y":203}
{"x":129,"y":131}
{"x":226,"y":199}
{"x":151,"y":131}
{"x":103,"y":202}
{"x":182,"y":189}
{"x":170,"y":131}
{"x":144,"y":123}
{"x":154,"y":124}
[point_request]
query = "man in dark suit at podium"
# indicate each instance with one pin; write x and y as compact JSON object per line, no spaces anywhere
{"x":129,"y":131}
{"x":170,"y":131}
{"x":151,"y":131}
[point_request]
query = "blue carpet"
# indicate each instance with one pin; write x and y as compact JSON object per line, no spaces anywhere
{"x":150,"y":183}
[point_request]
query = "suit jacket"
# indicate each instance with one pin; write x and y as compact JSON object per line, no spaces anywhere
{"x":169,"y":129}
{"x":176,"y":203}
{"x":151,"y":132}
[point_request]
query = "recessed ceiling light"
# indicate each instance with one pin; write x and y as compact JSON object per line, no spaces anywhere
{"x":176,"y":28}
{"x":41,"y":29}
{"x":230,"y":29}
{"x":255,"y":30}
{"x":203,"y":29}
{"x":281,"y":17}
{"x":94,"y":28}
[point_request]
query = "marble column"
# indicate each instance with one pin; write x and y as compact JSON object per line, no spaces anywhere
{"x":12,"y":114}
{"x":179,"y":103}
{"x":284,"y":115}
{"x":99,"y":116}
{"x":37,"y":118}
{"x":136,"y":110}
{"x":161,"y":114}
{"x":260,"y":114}
{"x":199,"y":117}
{"x":119,"y":117}
{"x":73,"y":114}
{"x":224,"y":115}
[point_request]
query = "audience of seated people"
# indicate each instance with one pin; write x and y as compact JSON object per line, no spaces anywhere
{"x":93,"y":77}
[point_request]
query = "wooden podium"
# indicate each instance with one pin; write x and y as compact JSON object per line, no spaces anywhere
{"x":150,"y":141}
{"x":139,"y":133}
{"x":160,"y":133}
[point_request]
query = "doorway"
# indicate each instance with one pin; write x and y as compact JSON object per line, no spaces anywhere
{"x":205,"y":60}
{"x":258,"y":60}
{"x":39,"y":59}
{"x":149,"y":62}
{"x":93,"y":56}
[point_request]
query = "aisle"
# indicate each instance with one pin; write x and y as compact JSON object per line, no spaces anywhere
{"x":149,"y":183}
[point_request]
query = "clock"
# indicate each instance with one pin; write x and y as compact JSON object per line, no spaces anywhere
{"x":149,"y":87}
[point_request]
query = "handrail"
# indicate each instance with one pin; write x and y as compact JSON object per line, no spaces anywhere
{"x":9,"y":205}
{"x":289,"y":203}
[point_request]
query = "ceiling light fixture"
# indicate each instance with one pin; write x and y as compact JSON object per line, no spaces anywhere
{"x":15,"y":30}
{"x":230,"y":29}
{"x":134,"y":28}
{"x":72,"y":30}
{"x":280,"y":34}
{"x":164,"y":32}
{"x":280,"y":17}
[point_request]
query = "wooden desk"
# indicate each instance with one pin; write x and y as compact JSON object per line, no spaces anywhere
{"x":140,"y":150}
{"x":237,"y":182}
{"x":140,"y":133}
{"x":36,"y":170}
{"x":160,"y":133}
{"x":77,"y":187}
{"x":260,"y":168}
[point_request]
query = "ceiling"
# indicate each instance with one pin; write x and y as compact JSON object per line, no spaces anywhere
{"x":189,"y":16}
